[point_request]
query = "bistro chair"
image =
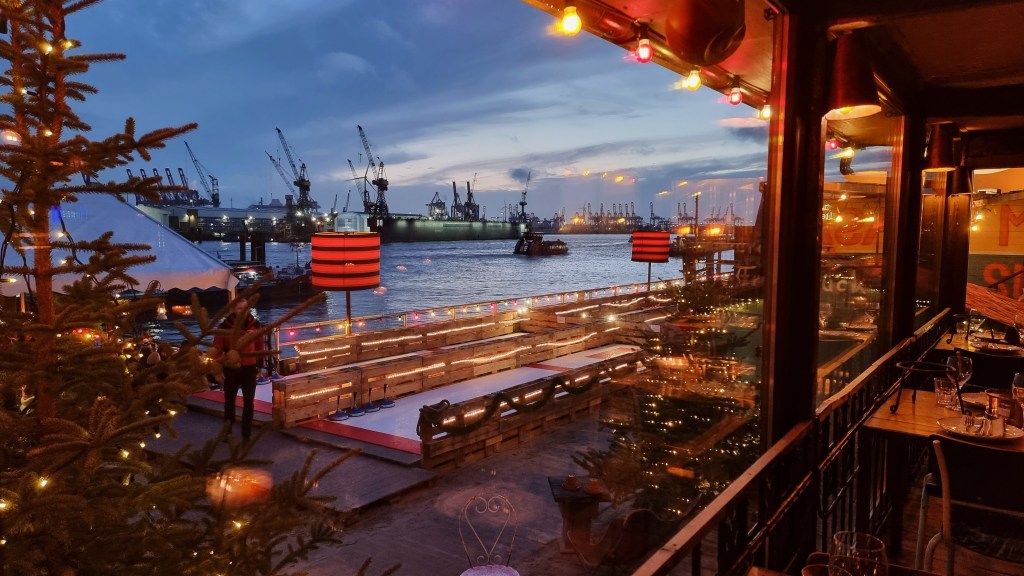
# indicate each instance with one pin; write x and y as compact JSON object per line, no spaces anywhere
{"x":982,"y":501}
{"x":992,"y":370}
{"x":487,"y":527}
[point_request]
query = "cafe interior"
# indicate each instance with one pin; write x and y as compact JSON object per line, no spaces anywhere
{"x":887,"y":233}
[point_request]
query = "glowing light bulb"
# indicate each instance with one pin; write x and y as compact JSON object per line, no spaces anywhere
{"x":571,"y":22}
{"x":735,"y":96}
{"x":693,"y":80}
{"x":765,"y":112}
{"x":644,"y":51}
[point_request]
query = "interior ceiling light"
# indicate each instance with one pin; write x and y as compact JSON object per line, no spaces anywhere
{"x":735,"y":96}
{"x":644,"y":51}
{"x":939,"y":153}
{"x":853,"y":93}
{"x":693,"y":80}
{"x":571,"y":23}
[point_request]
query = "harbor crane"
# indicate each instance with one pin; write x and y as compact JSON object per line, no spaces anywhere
{"x":211,"y":186}
{"x":280,"y":170}
{"x":380,"y":181}
{"x":367,"y":202}
{"x":304,"y":202}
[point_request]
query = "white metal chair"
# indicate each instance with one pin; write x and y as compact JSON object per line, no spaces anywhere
{"x":982,"y":502}
{"x":487,"y":527}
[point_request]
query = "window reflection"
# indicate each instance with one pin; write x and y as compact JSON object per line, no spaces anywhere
{"x":856,"y":191}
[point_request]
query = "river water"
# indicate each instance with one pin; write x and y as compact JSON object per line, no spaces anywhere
{"x":426,"y":275}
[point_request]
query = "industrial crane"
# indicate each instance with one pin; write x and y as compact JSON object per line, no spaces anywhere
{"x":367,"y":202}
{"x":380,"y":181}
{"x":305,"y":202}
{"x":280,"y":170}
{"x":211,"y":187}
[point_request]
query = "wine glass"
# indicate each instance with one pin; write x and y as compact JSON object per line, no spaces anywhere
{"x":964,"y":368}
{"x":1018,"y":324}
{"x":858,"y":553}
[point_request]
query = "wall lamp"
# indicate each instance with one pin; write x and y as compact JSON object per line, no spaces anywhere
{"x":852,"y":93}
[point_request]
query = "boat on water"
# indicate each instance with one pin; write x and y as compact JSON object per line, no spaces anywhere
{"x":279,"y":283}
{"x":533,"y":244}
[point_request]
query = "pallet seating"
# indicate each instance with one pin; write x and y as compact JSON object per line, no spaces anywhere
{"x":340,"y":372}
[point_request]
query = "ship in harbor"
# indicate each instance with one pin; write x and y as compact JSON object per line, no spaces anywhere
{"x":463,"y":220}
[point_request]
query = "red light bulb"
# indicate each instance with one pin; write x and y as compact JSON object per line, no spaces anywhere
{"x":832,"y":144}
{"x":735,"y":96}
{"x":644,"y":51}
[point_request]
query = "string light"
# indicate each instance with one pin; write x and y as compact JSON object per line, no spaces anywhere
{"x":765,"y":112}
{"x":735,"y":96}
{"x":644,"y":51}
{"x":571,"y":23}
{"x":693,"y":80}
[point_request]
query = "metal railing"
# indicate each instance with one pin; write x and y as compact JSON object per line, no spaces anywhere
{"x":823,"y":473}
{"x":286,"y":337}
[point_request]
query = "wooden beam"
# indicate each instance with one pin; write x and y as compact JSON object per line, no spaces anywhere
{"x":993,"y":148}
{"x":943,"y":103}
{"x":865,"y":13}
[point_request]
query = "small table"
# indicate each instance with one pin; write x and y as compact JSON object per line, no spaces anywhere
{"x":578,"y":507}
{"x":912,"y":424}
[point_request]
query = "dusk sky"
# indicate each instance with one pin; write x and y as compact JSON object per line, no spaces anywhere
{"x":445,"y":90}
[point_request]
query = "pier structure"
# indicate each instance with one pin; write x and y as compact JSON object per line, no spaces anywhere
{"x":465,"y":385}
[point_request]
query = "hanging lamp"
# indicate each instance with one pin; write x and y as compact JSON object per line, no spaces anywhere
{"x":939,"y":155}
{"x":852,"y":94}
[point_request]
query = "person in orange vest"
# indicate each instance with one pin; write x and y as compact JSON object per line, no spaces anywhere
{"x":239,"y":344}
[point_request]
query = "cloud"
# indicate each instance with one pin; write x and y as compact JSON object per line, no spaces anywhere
{"x":338,"y":66}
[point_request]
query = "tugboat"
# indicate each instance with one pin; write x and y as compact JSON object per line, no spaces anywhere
{"x":533,"y":244}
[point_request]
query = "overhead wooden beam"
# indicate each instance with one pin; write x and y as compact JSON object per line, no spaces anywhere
{"x":993,"y":148}
{"x":865,"y":13}
{"x":995,"y":101}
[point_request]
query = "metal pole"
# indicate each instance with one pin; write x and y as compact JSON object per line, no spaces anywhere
{"x":348,"y":312}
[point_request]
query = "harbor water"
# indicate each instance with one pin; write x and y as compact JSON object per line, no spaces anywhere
{"x":426,"y":275}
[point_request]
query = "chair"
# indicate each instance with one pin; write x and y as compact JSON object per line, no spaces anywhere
{"x":992,"y":370}
{"x":982,"y":501}
{"x":487,"y":527}
{"x":624,"y":540}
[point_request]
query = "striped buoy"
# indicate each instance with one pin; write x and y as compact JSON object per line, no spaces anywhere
{"x":650,"y":246}
{"x":346,"y":260}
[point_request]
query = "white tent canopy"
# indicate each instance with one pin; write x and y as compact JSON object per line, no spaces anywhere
{"x":179,"y":263}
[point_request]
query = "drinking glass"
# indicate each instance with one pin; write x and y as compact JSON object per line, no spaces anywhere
{"x":1018,"y":391}
{"x":859,"y":554}
{"x":963,"y":367}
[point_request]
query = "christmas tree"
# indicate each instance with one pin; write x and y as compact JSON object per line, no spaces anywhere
{"x":79,"y":492}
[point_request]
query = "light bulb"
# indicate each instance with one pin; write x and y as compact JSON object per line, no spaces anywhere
{"x":735,"y":96}
{"x":693,"y":80}
{"x":644,"y":51}
{"x":571,"y":23}
{"x":765,"y":112}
